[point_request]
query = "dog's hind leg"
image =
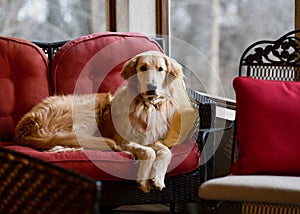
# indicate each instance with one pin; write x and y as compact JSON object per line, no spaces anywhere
{"x":160,"y":165}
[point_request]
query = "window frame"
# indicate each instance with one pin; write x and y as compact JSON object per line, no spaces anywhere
{"x":162,"y":16}
{"x":111,"y":15}
{"x":297,"y":14}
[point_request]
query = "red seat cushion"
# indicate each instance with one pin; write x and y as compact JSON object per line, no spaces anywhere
{"x":113,"y":165}
{"x":268,"y":118}
{"x":93,"y":63}
{"x":24,"y":81}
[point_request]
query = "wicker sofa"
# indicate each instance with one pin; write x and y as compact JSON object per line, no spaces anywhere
{"x":30,"y":72}
{"x":265,"y":176}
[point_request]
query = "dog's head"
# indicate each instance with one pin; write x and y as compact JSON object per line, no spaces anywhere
{"x":151,"y":73}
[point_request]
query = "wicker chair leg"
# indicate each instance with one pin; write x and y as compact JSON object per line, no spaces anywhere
{"x":172,"y":207}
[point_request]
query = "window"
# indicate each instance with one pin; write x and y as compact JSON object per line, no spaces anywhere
{"x":51,"y":20}
{"x":209,"y":36}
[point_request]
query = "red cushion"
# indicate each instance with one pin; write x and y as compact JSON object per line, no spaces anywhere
{"x":23,"y":81}
{"x":268,"y":118}
{"x":93,"y":63}
{"x":113,"y":165}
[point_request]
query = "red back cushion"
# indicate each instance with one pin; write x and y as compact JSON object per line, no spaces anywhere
{"x":93,"y":63}
{"x":23,"y":81}
{"x":268,"y":126}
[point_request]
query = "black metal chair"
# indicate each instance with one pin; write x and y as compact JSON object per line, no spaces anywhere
{"x":266,"y":60}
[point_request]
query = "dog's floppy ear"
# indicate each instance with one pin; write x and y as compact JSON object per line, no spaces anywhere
{"x":174,"y":68}
{"x":129,"y":68}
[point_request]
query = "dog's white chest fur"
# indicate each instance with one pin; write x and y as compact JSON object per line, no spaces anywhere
{"x":141,"y":121}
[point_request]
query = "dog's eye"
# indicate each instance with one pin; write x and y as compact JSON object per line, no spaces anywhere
{"x":160,"y":69}
{"x":143,"y":68}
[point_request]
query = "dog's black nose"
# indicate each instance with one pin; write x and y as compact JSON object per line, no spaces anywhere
{"x":151,"y":87}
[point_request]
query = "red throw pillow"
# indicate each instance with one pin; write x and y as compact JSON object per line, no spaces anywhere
{"x":268,"y":126}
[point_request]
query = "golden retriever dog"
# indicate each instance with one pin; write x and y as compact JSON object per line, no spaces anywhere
{"x":62,"y":123}
{"x":136,"y":119}
{"x":141,"y":114}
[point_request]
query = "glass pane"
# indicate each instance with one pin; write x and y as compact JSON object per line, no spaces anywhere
{"x":209,"y":36}
{"x":51,"y":20}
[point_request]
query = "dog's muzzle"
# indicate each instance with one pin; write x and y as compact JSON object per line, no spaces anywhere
{"x":151,"y":89}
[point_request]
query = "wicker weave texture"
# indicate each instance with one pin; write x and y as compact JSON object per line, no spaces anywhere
{"x":267,"y":208}
{"x":32,"y":186}
{"x":238,"y":207}
{"x":181,"y":188}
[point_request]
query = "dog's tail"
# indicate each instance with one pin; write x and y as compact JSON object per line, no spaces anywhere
{"x":69,"y":141}
{"x":29,"y":133}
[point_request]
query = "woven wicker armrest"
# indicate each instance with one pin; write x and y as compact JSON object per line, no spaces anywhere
{"x":206,"y":122}
{"x":207,"y":114}
{"x":29,"y":185}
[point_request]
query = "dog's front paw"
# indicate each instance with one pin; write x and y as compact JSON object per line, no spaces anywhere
{"x":144,"y":185}
{"x":158,"y":182}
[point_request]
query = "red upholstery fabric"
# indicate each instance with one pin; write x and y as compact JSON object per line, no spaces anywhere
{"x":23,"y":81}
{"x":93,"y":63}
{"x":268,"y":114}
{"x":113,"y":165}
